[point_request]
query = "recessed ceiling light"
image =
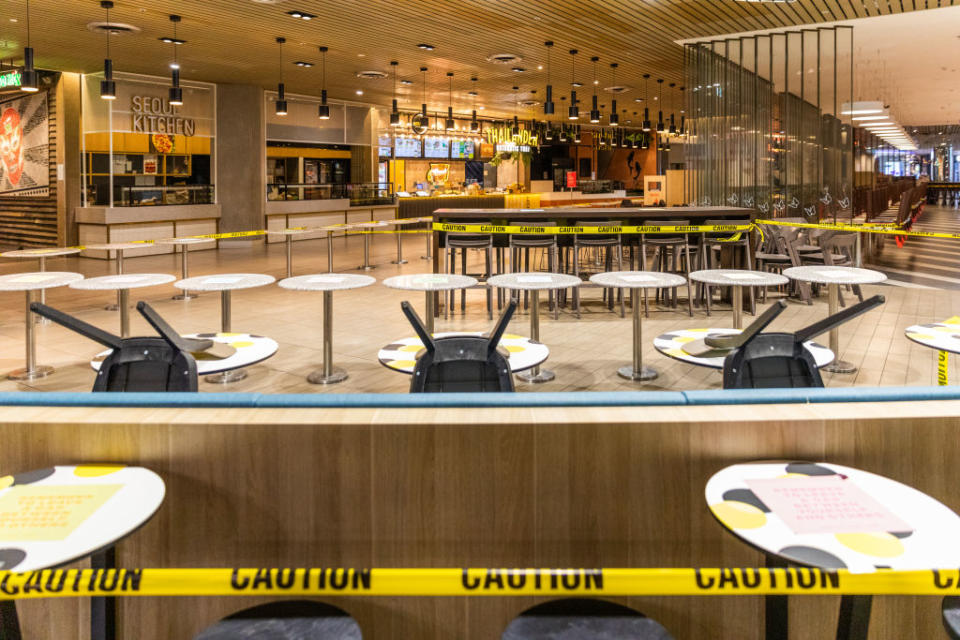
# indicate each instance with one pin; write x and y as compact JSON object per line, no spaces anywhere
{"x":518,"y":69}
{"x":576,"y":85}
{"x":174,"y":65}
{"x":407,"y":82}
{"x":13,"y":20}
{"x":359,"y":92}
{"x":539,"y":67}
{"x":361,"y":55}
{"x":172,"y":40}
{"x":426,"y":47}
{"x":302,"y":15}
{"x":301,"y":63}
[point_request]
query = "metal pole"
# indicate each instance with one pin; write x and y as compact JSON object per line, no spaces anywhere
{"x":428,"y":309}
{"x":119,"y":262}
{"x":184,"y":274}
{"x":114,"y":307}
{"x":833,"y":304}
{"x":737,"y":306}
{"x":123,"y":301}
{"x":328,"y":374}
{"x":226,"y":324}
{"x":366,"y":266}
{"x":399,"y":259}
{"x":225,"y":311}
{"x":536,"y":375}
{"x":329,"y":251}
{"x":43,"y":292}
{"x":637,"y":371}
{"x":31,"y":355}
{"x":289,"y":256}
{"x":429,"y":235}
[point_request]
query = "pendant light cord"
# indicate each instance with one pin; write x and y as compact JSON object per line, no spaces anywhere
{"x":28,"y":24}
{"x":108,"y":29}
{"x":323,"y":74}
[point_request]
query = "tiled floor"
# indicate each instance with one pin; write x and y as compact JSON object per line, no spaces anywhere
{"x":585,"y":353}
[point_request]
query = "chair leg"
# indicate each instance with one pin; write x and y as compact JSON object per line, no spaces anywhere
{"x":686,"y":246}
{"x":576,"y":273}
{"x":526,"y":269}
{"x":554,"y":294}
{"x":707,"y":296}
{"x":463,"y":292}
{"x":448,"y":267}
{"x":489,"y":253}
{"x":620,"y":268}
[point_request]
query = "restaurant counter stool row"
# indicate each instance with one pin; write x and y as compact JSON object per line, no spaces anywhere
{"x":226,"y":353}
{"x":905,"y":529}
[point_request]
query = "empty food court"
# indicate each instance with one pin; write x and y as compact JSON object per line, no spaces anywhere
{"x":476,"y":320}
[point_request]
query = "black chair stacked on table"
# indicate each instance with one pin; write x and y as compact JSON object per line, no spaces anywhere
{"x":779,"y":360}
{"x":161,"y":363}
{"x":286,"y":620}
{"x":583,"y":619}
{"x":461,"y":363}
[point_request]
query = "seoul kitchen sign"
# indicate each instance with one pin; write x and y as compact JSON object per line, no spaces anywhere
{"x":152,"y":114}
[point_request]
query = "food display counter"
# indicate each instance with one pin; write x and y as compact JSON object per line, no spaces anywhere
{"x":321,"y":213}
{"x":102,"y":225}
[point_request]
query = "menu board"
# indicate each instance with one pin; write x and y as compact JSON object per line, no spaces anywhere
{"x":436,"y":148}
{"x":462,"y":149}
{"x":407,"y":147}
{"x":385,"y":144}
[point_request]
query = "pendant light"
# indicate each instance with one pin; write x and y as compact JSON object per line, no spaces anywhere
{"x":516,"y":120}
{"x":424,"y":120}
{"x":548,"y":132}
{"x":673,"y":124}
{"x":614,"y":116}
{"x":683,"y":118}
{"x":646,"y":108}
{"x":281,"y":103}
{"x":175,"y":93}
{"x":29,"y":80}
{"x":573,"y":112}
{"x":323,"y":111}
{"x":450,"y":124}
{"x":645,"y":141}
{"x":474,"y":123}
{"x":108,"y":88}
{"x":660,"y":127}
{"x":548,"y":102}
{"x":394,"y":114}
{"x":576,"y":134}
{"x":595,"y":111}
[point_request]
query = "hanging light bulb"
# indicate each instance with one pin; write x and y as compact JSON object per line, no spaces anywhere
{"x":673,"y":124}
{"x":595,"y":111}
{"x":660,"y":127}
{"x":29,"y":79}
{"x":573,"y":112}
{"x":394,"y":114}
{"x":614,"y":116}
{"x":175,"y":93}
{"x":450,"y":123}
{"x":323,"y":111}
{"x":281,"y":103}
{"x":646,"y":109}
{"x":548,"y":132}
{"x":474,"y":123}
{"x":645,"y":141}
{"x":548,"y":101}
{"x":108,"y":88}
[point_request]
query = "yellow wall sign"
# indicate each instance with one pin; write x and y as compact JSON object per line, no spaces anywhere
{"x":504,"y":136}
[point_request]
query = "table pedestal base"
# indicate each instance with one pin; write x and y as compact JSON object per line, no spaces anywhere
{"x":321,"y":377}
{"x":840,"y":366}
{"x":537,"y":375}
{"x":186,"y":295}
{"x":226,"y":377}
{"x":645,"y":373}
{"x":40,"y":371}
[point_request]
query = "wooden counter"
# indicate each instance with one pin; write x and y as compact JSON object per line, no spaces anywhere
{"x":100,"y":225}
{"x":512,"y":487}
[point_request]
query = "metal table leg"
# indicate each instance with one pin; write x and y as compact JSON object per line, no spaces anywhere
{"x":289,"y":256}
{"x":535,"y":375}
{"x":637,"y":371}
{"x":429,"y":235}
{"x":737,"y":306}
{"x":833,"y":304}
{"x":429,"y":311}
{"x":37,"y":319}
{"x":112,"y":306}
{"x":123,"y":301}
{"x":366,"y":266}
{"x":329,"y":374}
{"x":103,"y":610}
{"x":329,"y":251}
{"x":234,"y":375}
{"x":399,"y":259}
{"x":184,"y":274}
{"x":32,"y":371}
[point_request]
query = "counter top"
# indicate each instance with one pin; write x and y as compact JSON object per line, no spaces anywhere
{"x":609,"y":213}
{"x":124,"y":215}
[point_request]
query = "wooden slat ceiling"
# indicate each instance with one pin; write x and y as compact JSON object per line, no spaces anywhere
{"x":233,"y":40}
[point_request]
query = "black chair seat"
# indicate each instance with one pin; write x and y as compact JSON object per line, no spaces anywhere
{"x":951,"y":616}
{"x":584,"y":619}
{"x":286,"y":620}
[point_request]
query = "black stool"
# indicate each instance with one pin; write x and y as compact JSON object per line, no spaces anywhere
{"x":671,"y":254}
{"x":600,"y":241}
{"x":583,"y":619}
{"x":463,"y":242}
{"x":520,"y":246}
{"x":286,"y":620}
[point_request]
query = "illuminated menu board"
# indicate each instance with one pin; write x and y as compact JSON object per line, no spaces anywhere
{"x":407,"y":147}
{"x":385,"y":144}
{"x":462,"y":149}
{"x":436,"y":148}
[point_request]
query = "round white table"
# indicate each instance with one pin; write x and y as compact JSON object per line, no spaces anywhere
{"x":367,"y":227}
{"x":184,"y":244}
{"x":122,"y":284}
{"x":737,"y":279}
{"x":634,"y":280}
{"x":225,"y":283}
{"x":119,"y":247}
{"x":834,"y":517}
{"x":288,"y":235}
{"x":430,"y":283}
{"x":534,"y":283}
{"x":522,"y":353}
{"x":30,"y":282}
{"x":833,"y":277}
{"x":245,"y":350}
{"x":327,"y":283}
{"x":671,"y":345}
{"x":41,"y":255}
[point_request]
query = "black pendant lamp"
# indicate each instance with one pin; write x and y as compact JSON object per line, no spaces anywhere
{"x":394,"y":114}
{"x":683,"y":118}
{"x":474,"y":123}
{"x":281,"y":103}
{"x":323,"y":111}
{"x":660,"y":127}
{"x":548,"y":101}
{"x":646,"y":108}
{"x":108,"y":88}
{"x":645,"y":141}
{"x":516,"y":121}
{"x":573,"y":112}
{"x":175,"y":93}
{"x":450,"y":124}
{"x":29,"y":80}
{"x":614,"y":116}
{"x":424,"y":119}
{"x":576,"y":134}
{"x":548,"y":132}
{"x":673,"y":124}
{"x":595,"y":111}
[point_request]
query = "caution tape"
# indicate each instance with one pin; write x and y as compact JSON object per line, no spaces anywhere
{"x":860,"y":229}
{"x":65,"y":583}
{"x":943,"y":368}
{"x":588,"y":230}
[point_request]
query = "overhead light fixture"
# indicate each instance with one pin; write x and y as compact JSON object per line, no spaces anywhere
{"x":594,"y":111}
{"x":305,"y":65}
{"x":406,"y":82}
{"x":576,"y":134}
{"x":29,"y":80}
{"x":573,"y":111}
{"x":424,"y":119}
{"x":394,"y":113}
{"x":660,"y":127}
{"x":474,"y":123}
{"x":614,"y":116}
{"x":449,"y":124}
{"x":108,"y":88}
{"x":323,"y":110}
{"x":302,"y":15}
{"x":673,"y":125}
{"x":646,"y":110}
{"x":871,"y":118}
{"x":516,"y":120}
{"x":548,"y":106}
{"x":281,"y":103}
{"x":683,"y":118}
{"x":175,"y":93}
{"x":426,"y":47}
{"x":518,"y":69}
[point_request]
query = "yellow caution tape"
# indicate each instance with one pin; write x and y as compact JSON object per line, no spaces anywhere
{"x":860,"y":229}
{"x":943,"y":367}
{"x":60,"y":583}
{"x":578,"y":230}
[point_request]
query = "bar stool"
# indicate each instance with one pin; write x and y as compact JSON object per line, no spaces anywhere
{"x":464,"y":242}
{"x":950,"y":610}
{"x":583,"y":619}
{"x":520,"y":245}
{"x":597,"y":241}
{"x":286,"y":620}
{"x":671,"y":254}
{"x":711,"y":244}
